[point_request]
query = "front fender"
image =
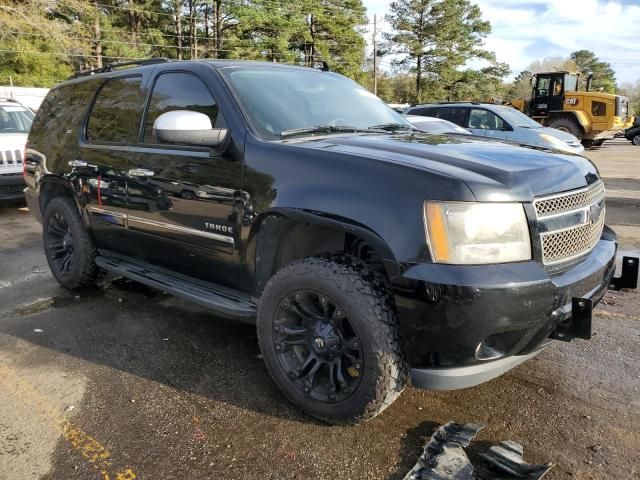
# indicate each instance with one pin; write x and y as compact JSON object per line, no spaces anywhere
{"x":281,"y":235}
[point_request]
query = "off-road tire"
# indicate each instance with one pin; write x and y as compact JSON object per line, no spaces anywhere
{"x":368,"y":303}
{"x":567,"y":125}
{"x":84,"y":272}
{"x":636,"y":140}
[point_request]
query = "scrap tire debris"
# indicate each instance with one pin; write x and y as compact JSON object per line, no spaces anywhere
{"x":444,"y":458}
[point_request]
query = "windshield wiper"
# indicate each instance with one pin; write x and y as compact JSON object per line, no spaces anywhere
{"x":392,"y":126}
{"x":322,"y":129}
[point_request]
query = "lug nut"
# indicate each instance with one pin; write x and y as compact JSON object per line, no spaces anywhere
{"x":332,"y":396}
{"x":277,"y":347}
{"x":323,"y":300}
{"x":297,"y":296}
{"x":357,"y":365}
{"x":355,"y":344}
{"x":338,"y":313}
{"x":306,"y":389}
{"x":277,"y":329}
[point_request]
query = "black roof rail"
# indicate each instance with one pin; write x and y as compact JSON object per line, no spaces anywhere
{"x":460,"y":101}
{"x":110,"y":67}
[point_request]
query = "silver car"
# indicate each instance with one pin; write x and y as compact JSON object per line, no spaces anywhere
{"x":500,"y":122}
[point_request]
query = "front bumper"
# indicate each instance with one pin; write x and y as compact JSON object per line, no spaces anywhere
{"x":463,"y":325}
{"x":11,"y":186}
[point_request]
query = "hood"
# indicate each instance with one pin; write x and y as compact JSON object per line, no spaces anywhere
{"x":493,"y":171}
{"x":12,"y":140}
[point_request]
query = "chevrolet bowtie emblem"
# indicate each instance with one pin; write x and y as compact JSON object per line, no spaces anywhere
{"x":592,"y":213}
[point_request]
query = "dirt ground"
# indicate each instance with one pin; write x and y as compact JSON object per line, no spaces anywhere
{"x":124,"y":382}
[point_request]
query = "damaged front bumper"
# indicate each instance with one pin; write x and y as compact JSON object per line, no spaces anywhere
{"x":464,"y":325}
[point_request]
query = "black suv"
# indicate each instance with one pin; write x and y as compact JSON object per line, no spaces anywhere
{"x":633,"y":133}
{"x":367,"y":254}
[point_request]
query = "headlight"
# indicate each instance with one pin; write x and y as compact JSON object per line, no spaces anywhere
{"x":477,"y":233}
{"x":556,"y":142}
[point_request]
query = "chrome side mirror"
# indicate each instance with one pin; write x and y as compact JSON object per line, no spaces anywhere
{"x":186,"y":127}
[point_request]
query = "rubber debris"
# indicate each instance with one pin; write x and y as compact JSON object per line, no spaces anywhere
{"x":444,"y":458}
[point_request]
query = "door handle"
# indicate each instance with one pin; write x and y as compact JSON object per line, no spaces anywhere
{"x":141,"y":172}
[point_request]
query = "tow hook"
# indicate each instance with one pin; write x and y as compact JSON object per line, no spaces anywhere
{"x":629,"y":276}
{"x":578,"y":325}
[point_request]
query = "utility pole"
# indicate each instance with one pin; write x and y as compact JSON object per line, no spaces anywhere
{"x":97,"y":34}
{"x":375,"y":56}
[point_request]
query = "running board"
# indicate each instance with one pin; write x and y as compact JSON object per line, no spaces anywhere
{"x":216,"y":297}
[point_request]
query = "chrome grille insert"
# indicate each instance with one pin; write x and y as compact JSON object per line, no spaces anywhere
{"x":569,"y":201}
{"x":572,"y":242}
{"x":570,"y":223}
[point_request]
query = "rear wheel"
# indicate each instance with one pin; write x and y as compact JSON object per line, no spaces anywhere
{"x":567,"y":125}
{"x":69,"y":250}
{"x":329,"y":337}
{"x":636,"y":140}
{"x":188,"y":194}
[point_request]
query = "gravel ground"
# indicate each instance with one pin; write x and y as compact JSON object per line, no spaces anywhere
{"x":124,"y":382}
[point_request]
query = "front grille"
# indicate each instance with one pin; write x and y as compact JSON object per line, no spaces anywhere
{"x":569,"y":201}
{"x":570,"y":243}
{"x":567,"y":235}
{"x":10,"y":157}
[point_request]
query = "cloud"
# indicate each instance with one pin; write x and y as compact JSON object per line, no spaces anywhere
{"x":524,"y":31}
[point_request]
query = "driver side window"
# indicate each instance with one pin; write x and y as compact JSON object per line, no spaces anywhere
{"x":485,"y":120}
{"x":178,"y":91}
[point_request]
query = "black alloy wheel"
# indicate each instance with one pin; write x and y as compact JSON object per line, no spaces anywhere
{"x":330,"y":338}
{"x":69,"y":250}
{"x":60,"y":244}
{"x":317,"y":346}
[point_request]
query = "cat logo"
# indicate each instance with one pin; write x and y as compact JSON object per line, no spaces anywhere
{"x":571,"y":101}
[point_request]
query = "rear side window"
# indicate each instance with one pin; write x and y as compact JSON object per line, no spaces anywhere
{"x":453,"y":114}
{"x":485,"y":120}
{"x":178,"y":91}
{"x":115,"y":115}
{"x":423,"y":111}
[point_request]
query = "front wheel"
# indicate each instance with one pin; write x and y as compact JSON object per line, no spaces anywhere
{"x":330,"y":339}
{"x":68,"y":248}
{"x":636,"y":140}
{"x":567,"y":125}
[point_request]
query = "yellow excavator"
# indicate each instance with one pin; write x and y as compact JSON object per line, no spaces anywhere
{"x":556,"y":102}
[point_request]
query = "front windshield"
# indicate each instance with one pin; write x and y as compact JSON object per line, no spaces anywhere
{"x":15,"y":119}
{"x":516,"y":118}
{"x":277,"y":100}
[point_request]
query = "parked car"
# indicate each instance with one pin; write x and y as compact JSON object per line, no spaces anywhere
{"x":435,"y":125}
{"x":15,"y":122}
{"x":633,"y":134}
{"x":367,"y":254}
{"x":501,"y":122}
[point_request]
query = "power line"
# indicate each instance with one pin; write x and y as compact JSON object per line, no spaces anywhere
{"x":143,"y":44}
{"x":82,"y":55}
{"x":239,"y":3}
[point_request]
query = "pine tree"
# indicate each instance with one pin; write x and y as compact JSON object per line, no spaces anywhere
{"x":437,"y":39}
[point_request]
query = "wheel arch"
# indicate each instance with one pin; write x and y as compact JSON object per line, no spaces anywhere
{"x":283,"y":235}
{"x":51,"y":186}
{"x":579,"y":117}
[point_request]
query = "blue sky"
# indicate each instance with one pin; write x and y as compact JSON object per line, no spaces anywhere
{"x":529,"y":30}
